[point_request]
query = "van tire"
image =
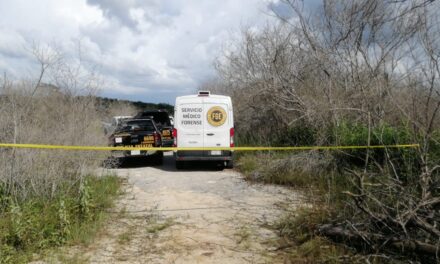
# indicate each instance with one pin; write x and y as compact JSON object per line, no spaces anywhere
{"x":230,"y":164}
{"x":180,"y":164}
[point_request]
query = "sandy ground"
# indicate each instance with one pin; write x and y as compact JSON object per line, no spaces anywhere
{"x":197,"y":215}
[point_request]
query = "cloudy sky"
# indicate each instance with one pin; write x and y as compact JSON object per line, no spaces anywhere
{"x":149,"y":50}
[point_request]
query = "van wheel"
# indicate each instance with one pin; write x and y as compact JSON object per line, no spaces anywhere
{"x":180,"y":164}
{"x":230,"y":164}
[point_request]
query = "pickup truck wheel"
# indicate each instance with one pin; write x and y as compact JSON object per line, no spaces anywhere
{"x":180,"y":164}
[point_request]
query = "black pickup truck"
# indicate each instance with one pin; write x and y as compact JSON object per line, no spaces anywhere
{"x":137,"y":133}
{"x":162,"y":120}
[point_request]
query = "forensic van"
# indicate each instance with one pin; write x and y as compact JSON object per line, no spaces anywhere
{"x":203,"y":120}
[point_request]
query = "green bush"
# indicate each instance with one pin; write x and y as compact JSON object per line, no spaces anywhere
{"x":406,"y":161}
{"x":334,"y":175}
{"x":354,"y":134}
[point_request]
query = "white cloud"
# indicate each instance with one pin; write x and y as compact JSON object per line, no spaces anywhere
{"x":147,"y":50}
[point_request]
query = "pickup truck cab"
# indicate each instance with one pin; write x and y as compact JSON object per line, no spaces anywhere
{"x":137,"y":133}
{"x":203,"y":120}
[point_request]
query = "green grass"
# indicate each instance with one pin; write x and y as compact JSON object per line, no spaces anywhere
{"x":73,"y":216}
{"x":247,"y":164}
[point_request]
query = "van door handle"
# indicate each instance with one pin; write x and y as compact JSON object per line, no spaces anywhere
{"x":210,"y":134}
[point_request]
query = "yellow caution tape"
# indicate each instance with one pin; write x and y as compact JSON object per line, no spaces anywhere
{"x":40,"y":146}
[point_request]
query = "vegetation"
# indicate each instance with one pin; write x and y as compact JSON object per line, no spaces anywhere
{"x":73,"y":215}
{"x":347,"y":73}
{"x":301,"y":170}
{"x":362,"y":72}
{"x":309,"y":247}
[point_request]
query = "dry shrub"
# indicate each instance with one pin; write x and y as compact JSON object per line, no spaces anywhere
{"x":359,"y":61}
{"x":40,"y":113}
{"x":57,"y":119}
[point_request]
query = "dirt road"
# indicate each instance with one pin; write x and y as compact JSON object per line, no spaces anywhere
{"x":198,"y":215}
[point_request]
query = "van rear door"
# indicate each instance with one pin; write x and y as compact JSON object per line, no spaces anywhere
{"x":216,"y":125}
{"x":190,"y":133}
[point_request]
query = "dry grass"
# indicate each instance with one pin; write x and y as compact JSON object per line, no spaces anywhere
{"x":302,"y":170}
{"x":55,"y":118}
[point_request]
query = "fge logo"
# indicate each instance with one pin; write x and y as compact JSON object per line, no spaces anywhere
{"x":216,"y":116}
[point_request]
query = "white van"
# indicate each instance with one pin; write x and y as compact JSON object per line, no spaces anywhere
{"x":203,"y":120}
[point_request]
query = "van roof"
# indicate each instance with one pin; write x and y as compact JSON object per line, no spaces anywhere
{"x":197,"y":96}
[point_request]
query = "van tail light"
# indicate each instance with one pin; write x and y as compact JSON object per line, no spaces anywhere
{"x":156,"y":139}
{"x":231,"y":135}
{"x":175,"y":137}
